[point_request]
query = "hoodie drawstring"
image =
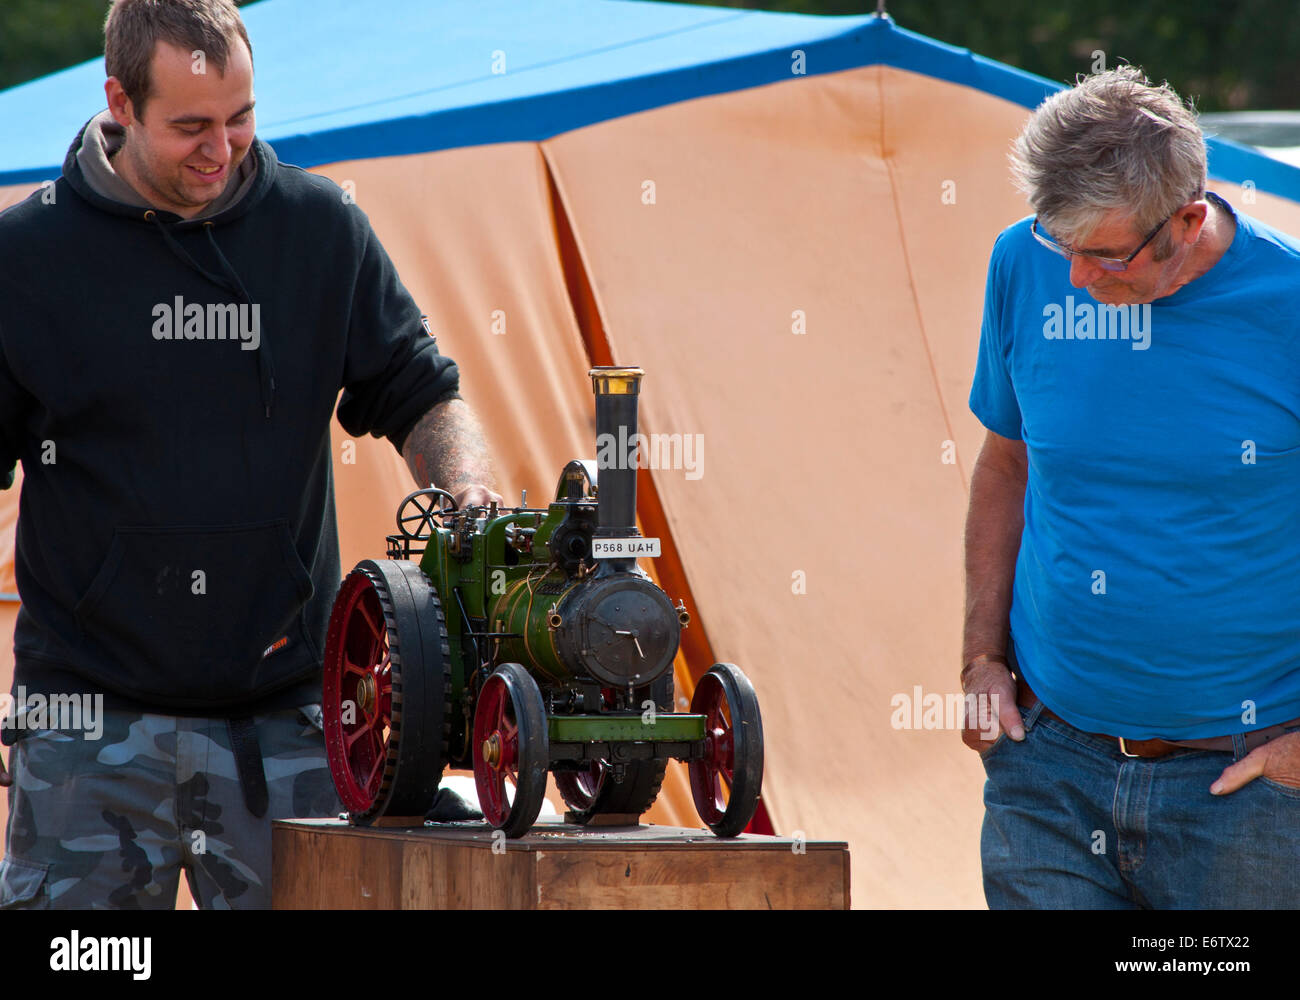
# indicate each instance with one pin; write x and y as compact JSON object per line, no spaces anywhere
{"x":230,"y":282}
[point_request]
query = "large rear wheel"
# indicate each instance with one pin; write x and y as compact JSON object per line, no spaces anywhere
{"x":387,"y":681}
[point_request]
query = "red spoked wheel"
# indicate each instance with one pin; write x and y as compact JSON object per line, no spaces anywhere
{"x":591,"y":790}
{"x":386,"y":682}
{"x":726,"y":781}
{"x":580,"y":788}
{"x":511,"y":749}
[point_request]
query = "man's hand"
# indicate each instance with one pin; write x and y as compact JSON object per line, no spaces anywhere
{"x":476,"y":494}
{"x":1277,"y":759}
{"x":994,"y":713}
{"x":994,"y":524}
{"x":6,"y":779}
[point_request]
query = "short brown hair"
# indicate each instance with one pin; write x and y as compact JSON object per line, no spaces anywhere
{"x":133,"y":29}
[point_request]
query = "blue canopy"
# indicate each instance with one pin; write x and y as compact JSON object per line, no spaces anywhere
{"x":336,"y":80}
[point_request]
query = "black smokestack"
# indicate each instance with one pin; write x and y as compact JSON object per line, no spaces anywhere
{"x":616,"y":434}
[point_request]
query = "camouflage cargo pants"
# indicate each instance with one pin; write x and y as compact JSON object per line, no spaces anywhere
{"x":111,"y":822}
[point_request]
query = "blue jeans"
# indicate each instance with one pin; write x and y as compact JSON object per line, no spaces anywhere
{"x":1071,"y":823}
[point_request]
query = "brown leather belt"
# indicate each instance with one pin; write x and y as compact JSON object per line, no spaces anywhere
{"x":1147,"y":749}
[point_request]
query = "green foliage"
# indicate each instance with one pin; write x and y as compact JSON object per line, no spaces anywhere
{"x":1226,"y":54}
{"x":40,"y":36}
{"x":43,"y":36}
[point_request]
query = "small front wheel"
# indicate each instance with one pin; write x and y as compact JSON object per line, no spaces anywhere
{"x":511,"y":749}
{"x":726,"y":782}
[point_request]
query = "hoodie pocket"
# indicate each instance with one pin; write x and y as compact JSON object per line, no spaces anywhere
{"x":187,"y":613}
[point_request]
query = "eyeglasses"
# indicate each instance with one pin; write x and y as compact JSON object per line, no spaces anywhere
{"x":1105,"y":263}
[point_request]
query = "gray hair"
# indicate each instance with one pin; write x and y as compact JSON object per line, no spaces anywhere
{"x":134,"y":27}
{"x":1114,"y":141}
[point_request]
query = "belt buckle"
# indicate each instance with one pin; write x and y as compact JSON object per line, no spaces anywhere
{"x":1124,"y":750}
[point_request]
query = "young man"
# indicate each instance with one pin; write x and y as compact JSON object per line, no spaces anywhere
{"x":175,"y":326}
{"x":1131,"y":540}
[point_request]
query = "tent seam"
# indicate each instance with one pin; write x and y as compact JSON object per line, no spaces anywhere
{"x":911,"y":280}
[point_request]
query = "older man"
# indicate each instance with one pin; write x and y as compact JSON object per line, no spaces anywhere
{"x":178,"y":314}
{"x":1133,"y":602}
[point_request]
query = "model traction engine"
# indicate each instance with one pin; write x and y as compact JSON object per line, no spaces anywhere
{"x":528,"y":641}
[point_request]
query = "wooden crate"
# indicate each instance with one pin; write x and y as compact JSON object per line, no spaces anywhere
{"x":326,"y":864}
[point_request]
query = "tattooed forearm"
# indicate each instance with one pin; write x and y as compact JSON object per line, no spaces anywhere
{"x":447,"y":449}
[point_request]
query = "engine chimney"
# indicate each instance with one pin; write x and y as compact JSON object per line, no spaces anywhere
{"x":616,"y":449}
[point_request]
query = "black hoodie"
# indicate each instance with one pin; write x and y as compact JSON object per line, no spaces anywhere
{"x":168,"y":386}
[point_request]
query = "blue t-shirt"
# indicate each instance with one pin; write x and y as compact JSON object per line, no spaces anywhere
{"x":1157,"y":590}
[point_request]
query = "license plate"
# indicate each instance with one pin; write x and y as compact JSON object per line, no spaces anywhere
{"x":625,"y":548}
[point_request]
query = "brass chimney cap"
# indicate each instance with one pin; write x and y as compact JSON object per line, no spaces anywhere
{"x":613,"y":380}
